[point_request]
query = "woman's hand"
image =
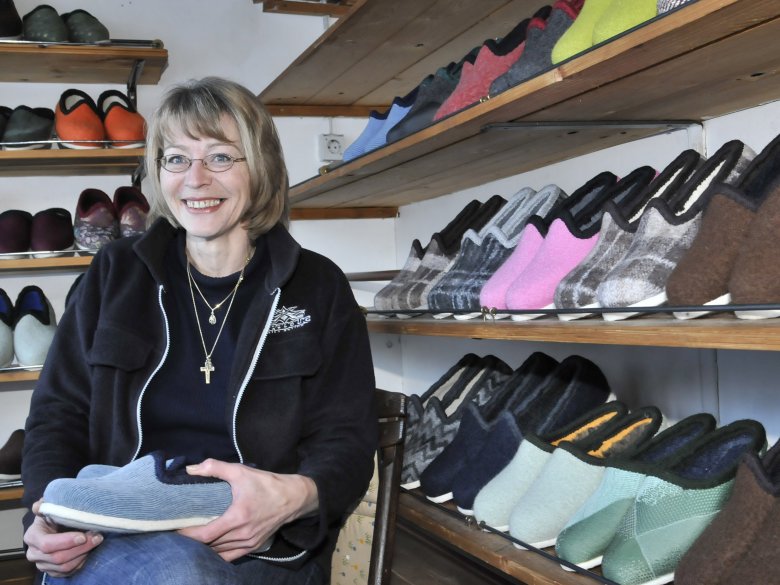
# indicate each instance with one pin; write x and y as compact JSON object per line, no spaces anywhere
{"x":59,"y":554}
{"x":262,"y":503}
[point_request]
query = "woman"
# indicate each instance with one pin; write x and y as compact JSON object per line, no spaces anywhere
{"x":216,"y":337}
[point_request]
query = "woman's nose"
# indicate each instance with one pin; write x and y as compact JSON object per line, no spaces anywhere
{"x":198,"y":171}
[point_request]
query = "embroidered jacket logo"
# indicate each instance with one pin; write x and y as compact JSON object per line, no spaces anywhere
{"x":287,"y":319}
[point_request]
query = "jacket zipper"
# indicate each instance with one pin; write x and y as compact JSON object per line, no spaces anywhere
{"x":278,"y":559}
{"x":149,"y":379}
{"x":250,"y":371}
{"x":244,"y":383}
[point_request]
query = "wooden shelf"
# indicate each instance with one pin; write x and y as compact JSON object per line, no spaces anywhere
{"x":49,"y":264}
{"x":11,"y":494}
{"x":17,"y":571}
{"x":715,"y":332}
{"x":706,"y":59}
{"x":66,"y":162}
{"x":74,"y":64}
{"x":491,"y":549}
{"x":19,"y":375}
{"x":372,"y":276}
{"x":343,"y":213}
{"x":384,"y":48}
{"x":307,"y":7}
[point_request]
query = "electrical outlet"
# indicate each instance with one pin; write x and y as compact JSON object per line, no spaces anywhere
{"x":331,"y":146}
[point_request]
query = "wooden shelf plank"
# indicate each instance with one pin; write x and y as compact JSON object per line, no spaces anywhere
{"x":63,"y":161}
{"x":715,"y":332}
{"x":17,"y":571}
{"x":39,"y":264}
{"x":19,"y":376}
{"x":306,"y":7}
{"x":690,"y":65}
{"x":371,"y":276}
{"x":25,"y":62}
{"x":410,"y":39}
{"x":491,"y":153}
{"x":699,"y":84}
{"x":492,"y":549}
{"x":322,"y":111}
{"x":11,"y":494}
{"x":344,"y":213}
{"x":343,"y":65}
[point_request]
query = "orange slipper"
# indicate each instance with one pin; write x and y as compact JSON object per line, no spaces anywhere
{"x":125,"y":127}
{"x":77,"y":121}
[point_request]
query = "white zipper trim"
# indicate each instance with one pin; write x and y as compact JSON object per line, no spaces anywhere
{"x":277,"y":293}
{"x":278,"y":559}
{"x":157,"y":369}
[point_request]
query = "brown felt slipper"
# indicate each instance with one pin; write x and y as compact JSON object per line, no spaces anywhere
{"x":755,"y":278}
{"x":702,"y":275}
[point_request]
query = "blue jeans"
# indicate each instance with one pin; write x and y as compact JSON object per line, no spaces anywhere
{"x":167,"y":558}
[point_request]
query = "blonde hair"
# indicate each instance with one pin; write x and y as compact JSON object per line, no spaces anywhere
{"x":196,"y":108}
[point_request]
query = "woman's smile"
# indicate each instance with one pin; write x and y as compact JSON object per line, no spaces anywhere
{"x":202,"y":204}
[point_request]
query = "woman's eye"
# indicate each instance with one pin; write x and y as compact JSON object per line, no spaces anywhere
{"x":176,"y":159}
{"x":220,"y":157}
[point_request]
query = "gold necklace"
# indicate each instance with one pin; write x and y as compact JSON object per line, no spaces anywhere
{"x":213,"y":317}
{"x":208,"y":366}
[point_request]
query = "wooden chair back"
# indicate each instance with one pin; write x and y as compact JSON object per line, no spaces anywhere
{"x":391,"y":408}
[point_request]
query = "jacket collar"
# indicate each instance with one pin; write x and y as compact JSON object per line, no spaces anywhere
{"x":281,"y":253}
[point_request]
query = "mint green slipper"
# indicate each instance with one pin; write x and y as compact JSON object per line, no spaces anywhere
{"x":673,"y":508}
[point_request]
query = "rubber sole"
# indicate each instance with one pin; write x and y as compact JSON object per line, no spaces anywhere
{"x":653,"y":301}
{"x":101,"y":523}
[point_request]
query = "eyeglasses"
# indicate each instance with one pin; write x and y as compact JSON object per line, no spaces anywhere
{"x":219,"y":162}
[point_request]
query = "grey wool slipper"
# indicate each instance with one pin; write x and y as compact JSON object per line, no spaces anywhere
{"x":387,"y":298}
{"x":83,"y":27}
{"x":440,"y":256}
{"x":28,"y":128}
{"x":665,"y":232}
{"x":477,"y":250}
{"x":383,"y":299}
{"x":618,"y":224}
{"x":537,"y":55}
{"x":45,"y":25}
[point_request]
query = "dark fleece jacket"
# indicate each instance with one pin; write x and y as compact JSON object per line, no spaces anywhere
{"x":300,"y":400}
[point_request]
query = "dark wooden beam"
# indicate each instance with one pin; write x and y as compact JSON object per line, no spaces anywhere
{"x":323,"y":111}
{"x":302,"y":213}
{"x":305,"y":7}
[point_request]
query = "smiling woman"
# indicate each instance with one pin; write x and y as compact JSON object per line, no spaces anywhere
{"x":209,"y":200}
{"x":171,"y":347}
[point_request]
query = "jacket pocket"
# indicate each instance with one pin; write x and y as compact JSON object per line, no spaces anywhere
{"x":288,"y":355}
{"x":118,"y":348}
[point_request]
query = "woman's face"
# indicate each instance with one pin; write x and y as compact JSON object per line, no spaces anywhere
{"x":207,"y":205}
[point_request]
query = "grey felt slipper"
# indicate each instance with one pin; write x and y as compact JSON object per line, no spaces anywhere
{"x":84,"y":28}
{"x":45,"y":25}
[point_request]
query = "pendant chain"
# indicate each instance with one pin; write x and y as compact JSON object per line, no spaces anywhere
{"x":208,"y":365}
{"x":213,"y":317}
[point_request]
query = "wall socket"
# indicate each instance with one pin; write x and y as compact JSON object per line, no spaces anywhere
{"x":331,"y":147}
